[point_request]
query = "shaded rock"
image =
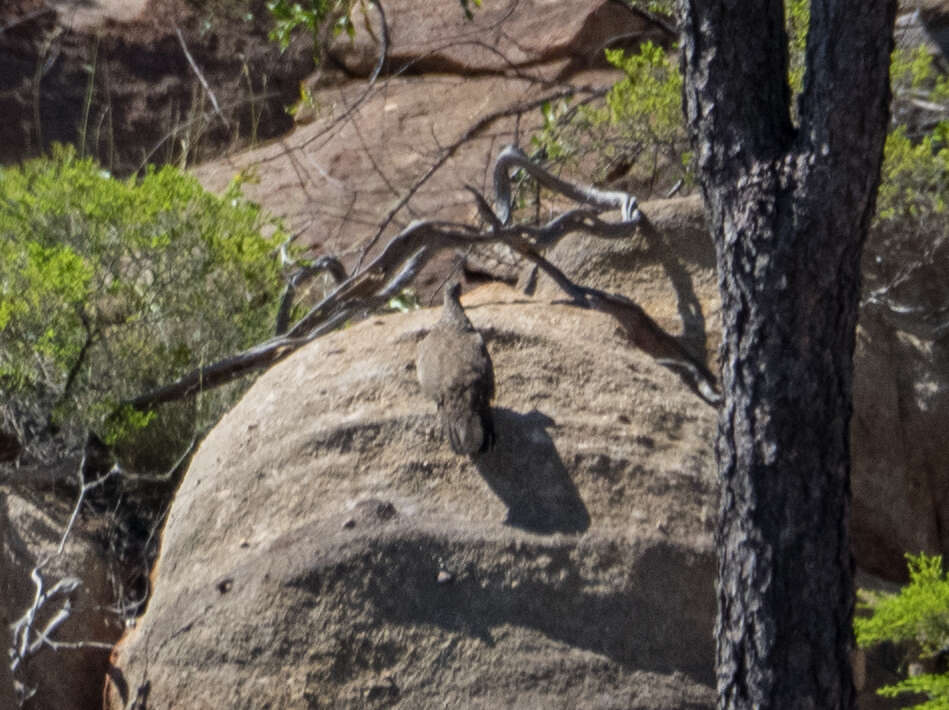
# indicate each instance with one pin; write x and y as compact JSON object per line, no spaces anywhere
{"x":564,"y":593}
{"x":67,"y":678}
{"x":899,"y":479}
{"x":145,"y":100}
{"x":10,"y":445}
{"x":430,"y":36}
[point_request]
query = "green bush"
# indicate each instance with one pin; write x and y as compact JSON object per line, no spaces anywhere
{"x":639,"y":129}
{"x":111,"y":287}
{"x":920,"y":614}
{"x":915,"y":180}
{"x":310,"y":16}
{"x":638,"y":132}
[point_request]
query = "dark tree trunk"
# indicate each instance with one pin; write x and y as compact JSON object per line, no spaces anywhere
{"x":789,"y":207}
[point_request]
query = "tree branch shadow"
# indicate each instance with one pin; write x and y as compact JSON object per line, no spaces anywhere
{"x":694,"y":335}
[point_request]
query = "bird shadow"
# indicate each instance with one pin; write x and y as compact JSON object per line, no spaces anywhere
{"x":525,"y":471}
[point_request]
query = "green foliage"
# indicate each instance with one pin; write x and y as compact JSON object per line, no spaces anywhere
{"x":914,"y":186}
{"x":913,"y":70}
{"x":637,"y":134}
{"x":647,"y":102}
{"x":111,"y":287}
{"x":310,"y":16}
{"x":404,"y":301}
{"x":797,"y":19}
{"x":553,"y":139}
{"x":466,"y":7}
{"x":915,"y":181}
{"x":919,"y":613}
{"x":665,"y":8}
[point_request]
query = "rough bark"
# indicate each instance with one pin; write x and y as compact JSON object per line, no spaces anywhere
{"x":789,"y":206}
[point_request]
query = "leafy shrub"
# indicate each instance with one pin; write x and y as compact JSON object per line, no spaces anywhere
{"x":109,"y":288}
{"x":647,"y":101}
{"x":310,"y":16}
{"x":638,"y":134}
{"x":909,"y":243}
{"x":919,"y":613}
{"x":915,"y":181}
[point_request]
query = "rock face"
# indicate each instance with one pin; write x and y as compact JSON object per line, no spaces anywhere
{"x":67,"y":678}
{"x":901,"y":400}
{"x":145,"y":100}
{"x":899,"y":477}
{"x":457,"y":93}
{"x":325,"y":550}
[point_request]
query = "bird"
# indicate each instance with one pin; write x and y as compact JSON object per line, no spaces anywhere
{"x":455,"y":370}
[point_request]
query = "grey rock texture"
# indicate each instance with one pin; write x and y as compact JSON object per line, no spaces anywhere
{"x":302,"y":562}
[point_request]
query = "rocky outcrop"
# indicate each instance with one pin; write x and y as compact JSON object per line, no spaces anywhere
{"x":371,"y":159}
{"x":112,"y":77}
{"x":899,"y":478}
{"x":327,"y":547}
{"x":901,"y":397}
{"x":534,"y":37}
{"x":64,"y":678}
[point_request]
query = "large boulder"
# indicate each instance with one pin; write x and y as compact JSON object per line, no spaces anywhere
{"x":901,"y":398}
{"x":327,"y":548}
{"x":899,"y":478}
{"x":68,"y":677}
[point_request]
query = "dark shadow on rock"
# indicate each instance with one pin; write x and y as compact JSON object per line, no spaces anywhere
{"x":694,"y":336}
{"x":657,"y":616}
{"x":525,"y":471}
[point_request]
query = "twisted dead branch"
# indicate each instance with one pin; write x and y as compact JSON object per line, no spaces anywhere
{"x":408,"y":251}
{"x":52,"y":603}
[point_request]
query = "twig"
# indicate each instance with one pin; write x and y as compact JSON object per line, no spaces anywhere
{"x":204,"y":83}
{"x":28,"y":639}
{"x":480,"y":125}
{"x":409,"y":250}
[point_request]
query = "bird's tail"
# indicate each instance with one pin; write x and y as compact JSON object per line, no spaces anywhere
{"x":470,"y":432}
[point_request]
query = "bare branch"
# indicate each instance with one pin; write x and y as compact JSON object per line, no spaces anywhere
{"x":480,"y":125}
{"x":512,"y":156}
{"x":204,"y":83}
{"x":303,"y":275}
{"x":28,"y":638}
{"x":409,"y":250}
{"x":384,"y":49}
